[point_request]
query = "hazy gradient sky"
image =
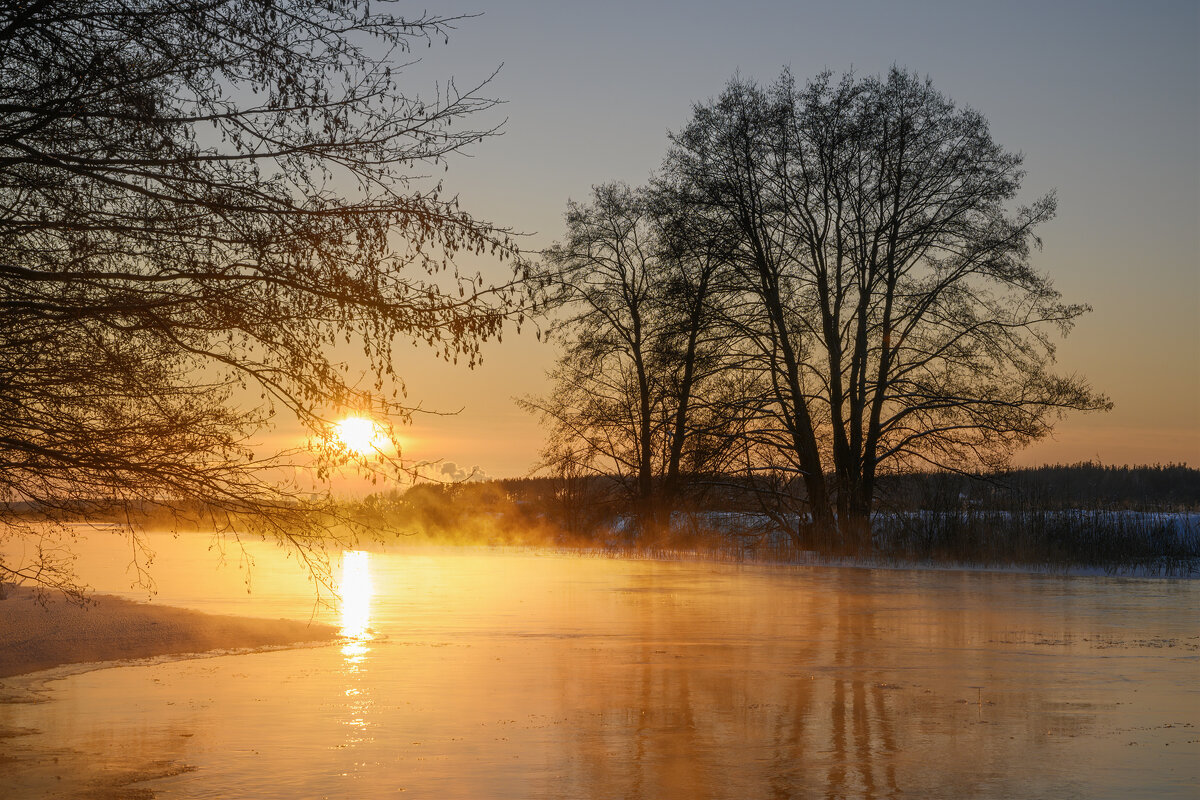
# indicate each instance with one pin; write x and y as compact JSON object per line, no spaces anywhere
{"x":1102,"y":98}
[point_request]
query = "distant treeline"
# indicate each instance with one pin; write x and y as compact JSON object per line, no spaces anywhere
{"x":1086,"y":485}
{"x":1090,"y":515}
{"x":580,"y":504}
{"x":1058,"y":516}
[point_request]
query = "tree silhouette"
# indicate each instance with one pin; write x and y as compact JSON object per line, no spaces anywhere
{"x":199,"y":203}
{"x":639,"y":365}
{"x":894,"y":313}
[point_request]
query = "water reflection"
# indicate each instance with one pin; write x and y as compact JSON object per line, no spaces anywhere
{"x":356,"y":590}
{"x":499,"y":675}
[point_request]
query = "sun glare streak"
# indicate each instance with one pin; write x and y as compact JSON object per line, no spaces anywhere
{"x":356,"y":591}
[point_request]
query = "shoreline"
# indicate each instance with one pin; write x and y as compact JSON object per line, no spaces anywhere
{"x":111,"y":631}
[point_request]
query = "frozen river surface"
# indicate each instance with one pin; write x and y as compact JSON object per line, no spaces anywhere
{"x":504,"y":674}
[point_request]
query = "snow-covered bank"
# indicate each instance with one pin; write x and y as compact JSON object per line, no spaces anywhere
{"x":1061,"y":542}
{"x":35,"y":637}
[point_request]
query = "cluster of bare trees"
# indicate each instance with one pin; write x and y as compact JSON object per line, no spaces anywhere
{"x":822,"y":283}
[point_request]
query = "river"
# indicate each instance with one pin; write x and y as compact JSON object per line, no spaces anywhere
{"x":492,"y":673}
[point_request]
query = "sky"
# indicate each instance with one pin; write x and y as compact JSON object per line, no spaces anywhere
{"x":1103,"y":100}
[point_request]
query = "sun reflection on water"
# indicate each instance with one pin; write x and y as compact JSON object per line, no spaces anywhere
{"x":356,"y":590}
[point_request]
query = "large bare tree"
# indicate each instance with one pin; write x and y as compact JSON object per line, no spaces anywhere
{"x":895,"y":313}
{"x":200,"y":201}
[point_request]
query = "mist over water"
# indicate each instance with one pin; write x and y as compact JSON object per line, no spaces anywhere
{"x":473,"y":673}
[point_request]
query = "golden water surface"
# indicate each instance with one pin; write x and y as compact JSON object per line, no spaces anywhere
{"x":501,"y":674}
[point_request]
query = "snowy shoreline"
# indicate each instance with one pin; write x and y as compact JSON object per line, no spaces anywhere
{"x":112,"y":630}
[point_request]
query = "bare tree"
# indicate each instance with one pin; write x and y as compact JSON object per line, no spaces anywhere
{"x":895,"y":314}
{"x":693,"y":354}
{"x":634,"y":293}
{"x":198,"y":201}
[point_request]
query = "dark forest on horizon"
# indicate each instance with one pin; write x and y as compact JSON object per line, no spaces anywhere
{"x":1116,"y":517}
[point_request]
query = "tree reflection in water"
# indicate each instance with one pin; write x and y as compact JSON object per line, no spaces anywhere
{"x":841,"y":694}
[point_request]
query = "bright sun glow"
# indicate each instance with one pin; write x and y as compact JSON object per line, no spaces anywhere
{"x":360,"y":436}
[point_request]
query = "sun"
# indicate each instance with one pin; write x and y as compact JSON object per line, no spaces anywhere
{"x":360,"y":436}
